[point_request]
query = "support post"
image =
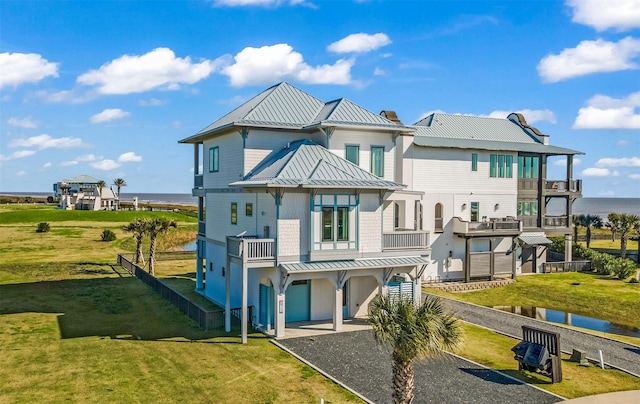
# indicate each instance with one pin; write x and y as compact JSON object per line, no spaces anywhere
{"x":568,"y":245}
{"x":467,"y":260}
{"x":337,"y":309}
{"x":245,"y":290}
{"x":227,"y":302}
{"x":199,"y":269}
{"x":279,"y":314}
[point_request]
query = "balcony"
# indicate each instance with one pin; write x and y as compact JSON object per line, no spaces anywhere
{"x":252,"y":249}
{"x":562,"y":187}
{"x":555,"y":222}
{"x":198,"y":181}
{"x":494,"y":226}
{"x":405,"y":240}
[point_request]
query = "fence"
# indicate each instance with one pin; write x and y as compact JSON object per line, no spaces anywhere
{"x":207,"y":319}
{"x":567,"y":266}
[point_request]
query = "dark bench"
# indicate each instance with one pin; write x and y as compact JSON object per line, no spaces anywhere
{"x":539,"y":351}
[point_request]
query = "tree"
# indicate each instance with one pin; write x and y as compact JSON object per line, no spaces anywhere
{"x":576,"y":225}
{"x":613,"y":223}
{"x":119,"y":182}
{"x":590,"y":221}
{"x":101,"y":184}
{"x":139,"y":228}
{"x":413,"y":332}
{"x":155,"y":227}
{"x":626,"y":224}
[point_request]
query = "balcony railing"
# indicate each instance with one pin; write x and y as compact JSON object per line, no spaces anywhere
{"x":252,"y":248}
{"x":405,"y":240}
{"x":493,"y":225}
{"x":562,"y":186}
{"x":555,"y":221}
{"x":198,"y":181}
{"x":202,"y":228}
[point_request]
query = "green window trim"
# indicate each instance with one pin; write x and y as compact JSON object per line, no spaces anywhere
{"x":377,"y":160}
{"x":474,"y":162}
{"x":214,"y":159}
{"x":234,"y":213}
{"x":509,"y":166}
{"x":352,"y":153}
{"x":475,"y":211}
{"x":493,"y":163}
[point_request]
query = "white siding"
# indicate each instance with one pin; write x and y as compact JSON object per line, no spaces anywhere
{"x":230,"y":160}
{"x":262,"y":142}
{"x":293,"y":226}
{"x":341,"y":137}
{"x":370,"y":236}
{"x":322,"y":298}
{"x":218,"y":220}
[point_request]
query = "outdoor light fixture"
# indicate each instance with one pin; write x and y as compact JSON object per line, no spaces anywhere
{"x":497,"y":206}
{"x":464,"y":206}
{"x":280,"y":307}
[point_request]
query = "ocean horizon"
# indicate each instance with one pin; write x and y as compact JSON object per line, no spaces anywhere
{"x":592,"y":206}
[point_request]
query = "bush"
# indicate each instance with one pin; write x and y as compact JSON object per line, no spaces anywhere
{"x":108,"y":235}
{"x":601,"y":263}
{"x":623,"y":268}
{"x":43,"y":227}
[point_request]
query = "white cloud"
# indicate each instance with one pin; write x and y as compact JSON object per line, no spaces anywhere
{"x":621,"y":15}
{"x":152,"y":102}
{"x":26,"y":123}
{"x":109,"y":114}
{"x":280,"y":62}
{"x":68,"y":163}
{"x":634,"y":176}
{"x":604,"y":112}
{"x":359,"y":43}
{"x":622,"y":142}
{"x":45,"y":141}
{"x":590,"y":57}
{"x":46,"y":165}
{"x":66,"y":96}
{"x":17,"y":155}
{"x":599,"y":172}
{"x":129,"y":157}
{"x":159,"y":68}
{"x":19,"y":68}
{"x":531,"y":115}
{"x":606,"y":193}
{"x":105,"y":165}
{"x":87,"y":157}
{"x":563,"y":162}
{"x":379,"y":72}
{"x":21,"y":173}
{"x":619,"y":162}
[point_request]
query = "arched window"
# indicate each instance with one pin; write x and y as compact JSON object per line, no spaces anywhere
{"x":438,"y":218}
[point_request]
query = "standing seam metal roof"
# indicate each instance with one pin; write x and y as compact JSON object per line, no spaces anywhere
{"x":373,"y":263}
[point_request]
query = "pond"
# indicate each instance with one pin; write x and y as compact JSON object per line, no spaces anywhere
{"x":576,"y":320}
{"x":189,"y":246}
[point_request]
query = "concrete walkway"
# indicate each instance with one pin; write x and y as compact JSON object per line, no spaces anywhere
{"x":617,"y":354}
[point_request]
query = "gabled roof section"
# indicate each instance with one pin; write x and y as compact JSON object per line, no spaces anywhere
{"x":281,"y":106}
{"x":82,"y":179}
{"x":475,"y":132}
{"x":305,"y":164}
{"x":343,"y":112}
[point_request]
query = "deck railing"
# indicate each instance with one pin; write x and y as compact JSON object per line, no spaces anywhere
{"x":491,"y":225}
{"x":567,"y":266}
{"x":555,"y":221}
{"x":255,"y":249}
{"x":405,"y":240}
{"x":563,"y":186}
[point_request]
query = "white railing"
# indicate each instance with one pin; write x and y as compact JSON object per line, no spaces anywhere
{"x":494,"y":225}
{"x":403,"y":240}
{"x":256,"y":249}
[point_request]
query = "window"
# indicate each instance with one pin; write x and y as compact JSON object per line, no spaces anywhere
{"x":396,"y":215}
{"x":528,"y":166}
{"x":474,"y":162}
{"x":352,"y":153}
{"x":475,"y":211}
{"x":339,"y":215}
{"x":214,"y":162}
{"x":438,"y":218}
{"x":234,"y":213}
{"x":500,"y":166}
{"x":377,"y":160}
{"x":248,"y":209}
{"x":528,"y":208}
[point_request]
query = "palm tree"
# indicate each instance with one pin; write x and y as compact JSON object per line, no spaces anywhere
{"x":101,"y":184}
{"x":156,"y":226}
{"x":576,"y":225}
{"x":613,"y":224}
{"x":626,"y":225}
{"x":139,"y":228}
{"x":119,"y":182}
{"x":413,"y":332}
{"x":590,"y":221}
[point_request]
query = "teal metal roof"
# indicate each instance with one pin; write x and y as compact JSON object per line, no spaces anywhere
{"x":534,"y":239}
{"x":341,"y":265}
{"x":474,"y":132}
{"x":343,"y":112}
{"x":306,"y":164}
{"x":82,"y":179}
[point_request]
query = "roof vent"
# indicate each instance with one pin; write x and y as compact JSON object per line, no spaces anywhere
{"x":390,"y":115}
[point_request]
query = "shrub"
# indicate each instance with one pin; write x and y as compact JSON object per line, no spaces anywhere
{"x":43,"y":227}
{"x":623,"y":268}
{"x":108,"y":235}
{"x":601,"y":263}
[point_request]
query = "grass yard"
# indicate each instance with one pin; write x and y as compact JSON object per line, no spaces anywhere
{"x":88,"y":333}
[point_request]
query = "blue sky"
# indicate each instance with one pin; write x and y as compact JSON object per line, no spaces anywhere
{"x":108,"y":88}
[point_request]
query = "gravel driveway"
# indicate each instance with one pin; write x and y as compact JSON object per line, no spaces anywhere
{"x":354,"y":359}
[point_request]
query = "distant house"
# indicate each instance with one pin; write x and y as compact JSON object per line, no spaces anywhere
{"x":83,"y":193}
{"x":313,"y":207}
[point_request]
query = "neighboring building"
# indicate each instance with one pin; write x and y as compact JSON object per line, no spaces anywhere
{"x":313,"y":208}
{"x":83,"y":193}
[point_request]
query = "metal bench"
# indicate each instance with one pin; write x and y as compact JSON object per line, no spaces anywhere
{"x":539,"y":351}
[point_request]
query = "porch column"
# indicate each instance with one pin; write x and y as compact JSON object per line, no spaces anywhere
{"x":467,"y":260}
{"x":245,"y":299}
{"x":337,"y":309}
{"x":567,"y":248}
{"x":279,"y":310}
{"x":417,"y":290}
{"x":227,"y":291}
{"x":492,"y":260}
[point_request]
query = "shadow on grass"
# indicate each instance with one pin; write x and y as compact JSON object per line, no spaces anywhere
{"x":119,"y":308}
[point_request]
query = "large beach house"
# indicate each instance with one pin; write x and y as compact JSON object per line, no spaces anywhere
{"x":84,"y":193}
{"x":308,"y":209}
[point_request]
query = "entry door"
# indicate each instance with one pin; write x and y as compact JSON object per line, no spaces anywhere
{"x":345,"y":299}
{"x":266,"y":306}
{"x":298,"y":301}
{"x":528,"y":254}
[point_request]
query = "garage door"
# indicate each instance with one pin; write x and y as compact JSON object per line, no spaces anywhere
{"x":298,"y":301}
